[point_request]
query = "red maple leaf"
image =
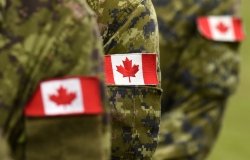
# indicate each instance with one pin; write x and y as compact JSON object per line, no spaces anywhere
{"x":127,"y":70}
{"x":222,"y":27}
{"x":63,"y":97}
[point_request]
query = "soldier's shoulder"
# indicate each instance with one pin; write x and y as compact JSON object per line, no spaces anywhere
{"x":115,"y":5}
{"x":79,"y":8}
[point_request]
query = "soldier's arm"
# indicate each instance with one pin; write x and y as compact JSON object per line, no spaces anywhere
{"x":130,"y":26}
{"x":37,"y":43}
{"x":199,"y":74}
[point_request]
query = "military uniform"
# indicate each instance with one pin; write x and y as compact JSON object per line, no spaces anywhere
{"x":41,"y":40}
{"x":198,"y":76}
{"x":130,"y":26}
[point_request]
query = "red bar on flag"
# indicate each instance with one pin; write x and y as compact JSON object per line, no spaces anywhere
{"x":66,"y":96}
{"x":131,"y":69}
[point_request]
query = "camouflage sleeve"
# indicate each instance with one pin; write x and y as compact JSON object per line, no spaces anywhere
{"x":198,"y":76}
{"x":130,"y":26}
{"x":41,"y":40}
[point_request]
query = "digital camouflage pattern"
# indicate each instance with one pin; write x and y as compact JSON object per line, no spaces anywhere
{"x":130,"y":26}
{"x":198,"y":76}
{"x":39,"y":40}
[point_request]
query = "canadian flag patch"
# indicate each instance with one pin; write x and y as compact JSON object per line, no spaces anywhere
{"x":68,"y":96}
{"x":131,"y":69}
{"x":221,"y":28}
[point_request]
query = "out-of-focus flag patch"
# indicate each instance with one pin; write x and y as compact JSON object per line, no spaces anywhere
{"x":66,"y":96}
{"x":221,"y":28}
{"x":131,"y":69}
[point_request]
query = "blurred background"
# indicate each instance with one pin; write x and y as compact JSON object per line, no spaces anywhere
{"x":234,"y":140}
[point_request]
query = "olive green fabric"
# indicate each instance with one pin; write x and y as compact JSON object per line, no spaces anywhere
{"x":39,"y":40}
{"x":4,"y":151}
{"x":130,"y":26}
{"x":198,"y":76}
{"x":71,"y":138}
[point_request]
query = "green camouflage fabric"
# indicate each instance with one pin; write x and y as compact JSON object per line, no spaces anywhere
{"x":130,"y":26}
{"x":198,"y":76}
{"x":40,"y":40}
